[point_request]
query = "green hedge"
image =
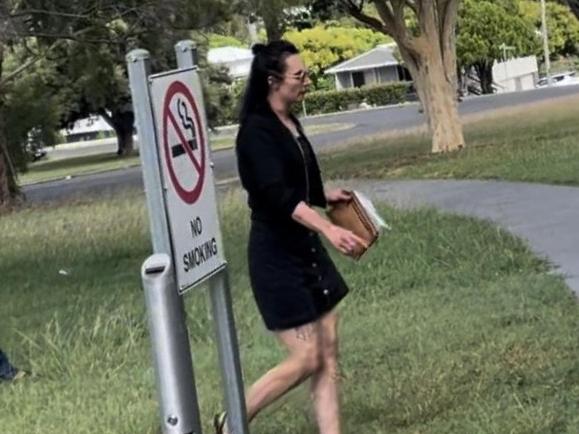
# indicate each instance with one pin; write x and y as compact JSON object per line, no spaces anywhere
{"x":338,"y":100}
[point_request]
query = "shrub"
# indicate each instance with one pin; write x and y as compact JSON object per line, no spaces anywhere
{"x":339,"y":100}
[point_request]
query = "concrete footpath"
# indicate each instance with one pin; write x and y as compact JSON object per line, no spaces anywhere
{"x":546,"y":216}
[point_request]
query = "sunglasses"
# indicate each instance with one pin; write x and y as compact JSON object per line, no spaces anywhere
{"x":301,"y":76}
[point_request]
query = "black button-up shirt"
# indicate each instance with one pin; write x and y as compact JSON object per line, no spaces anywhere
{"x":277,"y":169}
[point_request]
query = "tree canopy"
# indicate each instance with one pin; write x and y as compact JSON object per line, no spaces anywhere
{"x":324,"y":46}
{"x":484,"y":28}
{"x":573,"y":4}
{"x":79,"y":49}
{"x":273,"y":13}
{"x":562,"y":24}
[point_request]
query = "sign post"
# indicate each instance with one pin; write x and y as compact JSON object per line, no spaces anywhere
{"x":221,"y":305}
{"x":174,"y":370}
{"x":182,"y":203}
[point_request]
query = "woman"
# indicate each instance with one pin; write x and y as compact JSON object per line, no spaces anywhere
{"x":295,"y":284}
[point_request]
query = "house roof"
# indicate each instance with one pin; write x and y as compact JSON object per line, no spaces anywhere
{"x":228,"y":54}
{"x":91,"y":124}
{"x":382,"y":55}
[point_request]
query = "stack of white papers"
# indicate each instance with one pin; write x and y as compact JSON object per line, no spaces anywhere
{"x":370,"y":209}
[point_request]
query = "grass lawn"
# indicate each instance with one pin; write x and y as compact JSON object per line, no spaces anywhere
{"x":47,"y":170}
{"x":452,"y":326}
{"x":536,"y":144}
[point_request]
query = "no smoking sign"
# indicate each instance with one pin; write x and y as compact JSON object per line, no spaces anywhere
{"x":187,"y":177}
{"x":183,"y":142}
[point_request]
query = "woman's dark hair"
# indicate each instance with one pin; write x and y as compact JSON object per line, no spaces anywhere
{"x":269,"y":60}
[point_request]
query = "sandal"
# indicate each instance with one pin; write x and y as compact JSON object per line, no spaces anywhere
{"x":220,"y":423}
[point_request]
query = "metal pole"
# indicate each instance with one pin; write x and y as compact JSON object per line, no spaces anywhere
{"x":169,"y":338}
{"x":546,"y":42}
{"x":504,"y":48}
{"x":176,"y":382}
{"x":223,"y":318}
{"x":228,"y":353}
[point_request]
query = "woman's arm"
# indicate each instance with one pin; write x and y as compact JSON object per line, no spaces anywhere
{"x":343,"y":240}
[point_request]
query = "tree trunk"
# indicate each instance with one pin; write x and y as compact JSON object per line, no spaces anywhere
{"x":429,"y":51}
{"x":8,"y":186}
{"x":438,"y":96}
{"x":5,"y":195}
{"x":125,"y":143}
{"x":484,"y":71}
{"x":4,"y":174}
{"x":440,"y":106}
{"x":9,"y":190}
{"x":273,"y":26}
{"x":123,"y":123}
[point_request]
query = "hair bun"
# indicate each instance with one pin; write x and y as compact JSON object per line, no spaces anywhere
{"x":258,"y":49}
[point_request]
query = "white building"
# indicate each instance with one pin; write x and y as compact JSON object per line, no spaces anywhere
{"x":515,"y":75}
{"x":372,"y":67}
{"x":89,"y":128}
{"x":236,"y":60}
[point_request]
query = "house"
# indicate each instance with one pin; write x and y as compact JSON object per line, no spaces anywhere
{"x":516,"y":74}
{"x":378,"y":65}
{"x":236,"y":60}
{"x":91,"y":128}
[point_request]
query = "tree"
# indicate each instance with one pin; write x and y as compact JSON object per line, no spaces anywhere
{"x":8,"y":185}
{"x":322,"y":47}
{"x":220,"y":104}
{"x":273,"y":13}
{"x":562,"y":24}
{"x":429,"y":53}
{"x":33,"y":110}
{"x":573,"y":5}
{"x":87,"y":43}
{"x":97,"y":77}
{"x":483,"y":27}
{"x":326,"y":10}
{"x":91,"y":63}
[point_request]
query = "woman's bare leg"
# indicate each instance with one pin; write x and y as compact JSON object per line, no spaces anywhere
{"x":304,"y":360}
{"x":325,"y":381}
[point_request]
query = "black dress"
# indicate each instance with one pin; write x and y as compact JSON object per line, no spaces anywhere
{"x":294,"y":280}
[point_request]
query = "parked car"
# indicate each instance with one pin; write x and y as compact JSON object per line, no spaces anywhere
{"x":561,"y":79}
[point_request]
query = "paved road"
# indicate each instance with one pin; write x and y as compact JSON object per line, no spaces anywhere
{"x":367,"y":122}
{"x":545,"y":215}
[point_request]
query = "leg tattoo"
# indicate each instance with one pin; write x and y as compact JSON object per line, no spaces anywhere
{"x":305,"y":332}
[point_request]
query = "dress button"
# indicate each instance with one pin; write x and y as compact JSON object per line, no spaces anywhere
{"x":313,"y":250}
{"x":314,"y":264}
{"x":319,"y":278}
{"x":311,"y":234}
{"x":326,"y":292}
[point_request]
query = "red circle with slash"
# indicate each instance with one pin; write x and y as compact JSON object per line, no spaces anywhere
{"x":189,"y":196}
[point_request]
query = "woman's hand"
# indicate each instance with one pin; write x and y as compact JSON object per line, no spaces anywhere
{"x":345,"y":241}
{"x":338,"y":195}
